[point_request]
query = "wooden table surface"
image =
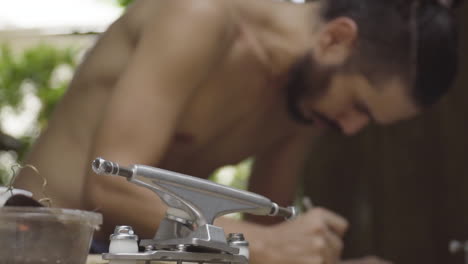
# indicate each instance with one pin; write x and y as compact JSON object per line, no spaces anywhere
{"x":97,"y":259}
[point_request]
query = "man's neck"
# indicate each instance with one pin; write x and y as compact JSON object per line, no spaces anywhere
{"x":284,"y":31}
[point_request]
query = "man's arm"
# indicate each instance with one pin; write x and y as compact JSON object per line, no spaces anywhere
{"x":174,"y":55}
{"x":315,"y":236}
{"x":276,"y":171}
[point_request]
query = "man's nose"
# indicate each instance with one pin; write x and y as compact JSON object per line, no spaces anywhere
{"x":352,"y":122}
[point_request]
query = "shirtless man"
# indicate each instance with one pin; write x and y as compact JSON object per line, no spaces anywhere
{"x":190,"y":86}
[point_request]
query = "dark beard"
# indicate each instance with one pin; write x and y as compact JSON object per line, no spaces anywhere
{"x":306,"y":79}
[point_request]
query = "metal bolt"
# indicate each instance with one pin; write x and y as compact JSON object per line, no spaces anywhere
{"x":181,"y":247}
{"x":237,"y":240}
{"x":149,"y":248}
{"x":123,"y":233}
{"x":235,"y":237}
{"x":124,"y":230}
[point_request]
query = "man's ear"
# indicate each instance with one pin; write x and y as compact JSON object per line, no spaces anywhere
{"x":336,"y":41}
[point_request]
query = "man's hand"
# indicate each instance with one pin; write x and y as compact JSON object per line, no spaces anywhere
{"x":314,"y":237}
{"x":367,"y":260}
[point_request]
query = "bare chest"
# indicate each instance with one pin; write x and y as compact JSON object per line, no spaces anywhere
{"x":239,"y":112}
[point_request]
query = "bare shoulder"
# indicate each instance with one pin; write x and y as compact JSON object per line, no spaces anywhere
{"x":211,"y":14}
{"x":145,"y":13}
{"x":210,"y":8}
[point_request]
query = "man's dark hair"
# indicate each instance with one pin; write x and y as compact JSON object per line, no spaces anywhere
{"x":417,"y":40}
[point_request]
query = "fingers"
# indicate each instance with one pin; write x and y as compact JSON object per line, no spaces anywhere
{"x":367,"y":260}
{"x":374,"y":260}
{"x":336,"y":245}
{"x":316,"y":235}
{"x":328,"y":246}
{"x":332,"y":221}
{"x":325,"y":229}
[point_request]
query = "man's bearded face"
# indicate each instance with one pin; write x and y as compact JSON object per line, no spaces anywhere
{"x":333,"y":98}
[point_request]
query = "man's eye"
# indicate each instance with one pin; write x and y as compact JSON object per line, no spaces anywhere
{"x":362,"y":108}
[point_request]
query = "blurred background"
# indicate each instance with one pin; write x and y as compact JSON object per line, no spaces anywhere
{"x":403,"y":187}
{"x":41,"y":43}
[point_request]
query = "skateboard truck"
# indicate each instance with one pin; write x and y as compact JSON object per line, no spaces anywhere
{"x":187,"y":232}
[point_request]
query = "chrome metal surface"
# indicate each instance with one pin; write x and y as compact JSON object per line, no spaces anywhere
{"x":187,"y":233}
{"x":164,"y":255}
{"x":123,"y":233}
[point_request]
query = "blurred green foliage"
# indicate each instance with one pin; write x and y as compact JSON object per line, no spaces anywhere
{"x":33,"y":67}
{"x":236,"y":176}
{"x":124,"y":3}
